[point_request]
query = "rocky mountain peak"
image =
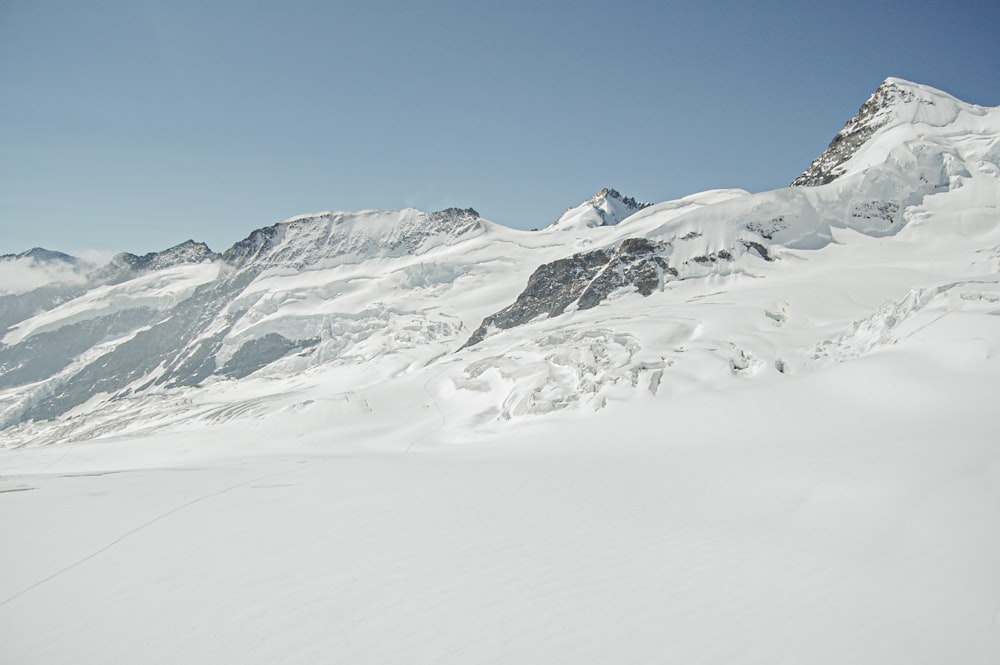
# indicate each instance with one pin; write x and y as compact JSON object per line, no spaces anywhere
{"x":885,"y":105}
{"x":455,"y":212}
{"x":126,"y":265}
{"x":188,"y":251}
{"x":611,"y":193}
{"x":605,"y":208}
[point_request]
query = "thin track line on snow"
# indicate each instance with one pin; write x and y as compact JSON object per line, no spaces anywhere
{"x":436,"y":406}
{"x":142,"y":526}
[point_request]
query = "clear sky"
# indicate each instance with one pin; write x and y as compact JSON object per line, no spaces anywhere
{"x":133,"y":126}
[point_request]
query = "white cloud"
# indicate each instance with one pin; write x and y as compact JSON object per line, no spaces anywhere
{"x":20,"y":275}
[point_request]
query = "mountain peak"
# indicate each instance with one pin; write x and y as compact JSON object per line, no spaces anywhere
{"x":896,"y":101}
{"x":188,"y":251}
{"x":455,"y":212}
{"x":612,"y":193}
{"x":43,"y":255}
{"x":874,"y":114}
{"x":125,"y":265}
{"x":607,"y":207}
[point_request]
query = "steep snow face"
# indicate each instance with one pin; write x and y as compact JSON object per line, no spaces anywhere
{"x":605,"y":208}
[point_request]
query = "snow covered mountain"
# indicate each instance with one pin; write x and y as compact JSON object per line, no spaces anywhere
{"x":366,"y":298}
{"x":605,"y":208}
{"x":732,"y":427}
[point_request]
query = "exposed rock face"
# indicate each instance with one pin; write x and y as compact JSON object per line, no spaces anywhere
{"x":170,"y":346}
{"x":260,"y":352}
{"x":629,"y":201}
{"x":873,"y":115}
{"x":551,"y":288}
{"x":587,"y":279}
{"x":453,"y":213}
{"x":125,"y":266}
{"x":886,"y":211}
{"x":44,"y":355}
{"x":637,"y":262}
{"x":254,"y":245}
{"x":755,"y":248}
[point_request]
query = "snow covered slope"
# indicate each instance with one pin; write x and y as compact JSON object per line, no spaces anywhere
{"x":732,"y":427}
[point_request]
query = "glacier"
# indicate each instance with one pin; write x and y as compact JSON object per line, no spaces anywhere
{"x":736,"y":426}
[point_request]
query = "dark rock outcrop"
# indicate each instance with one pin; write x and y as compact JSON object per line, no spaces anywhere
{"x":586,"y":278}
{"x":609,"y":192}
{"x":873,"y":115}
{"x":126,"y":266}
{"x":637,"y":262}
{"x":551,"y":288}
{"x":257,"y":353}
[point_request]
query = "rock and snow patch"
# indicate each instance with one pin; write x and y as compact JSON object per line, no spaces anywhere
{"x":607,"y":207}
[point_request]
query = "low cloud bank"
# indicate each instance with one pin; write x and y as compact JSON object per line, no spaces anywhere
{"x":22,"y":274}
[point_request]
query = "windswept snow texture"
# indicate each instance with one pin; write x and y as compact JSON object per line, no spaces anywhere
{"x":730,"y":428}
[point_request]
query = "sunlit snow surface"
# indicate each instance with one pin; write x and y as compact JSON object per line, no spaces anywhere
{"x":766,"y":461}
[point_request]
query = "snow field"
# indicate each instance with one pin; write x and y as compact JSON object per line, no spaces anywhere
{"x":821,"y":518}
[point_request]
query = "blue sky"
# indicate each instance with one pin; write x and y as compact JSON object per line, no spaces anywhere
{"x":133,"y":126}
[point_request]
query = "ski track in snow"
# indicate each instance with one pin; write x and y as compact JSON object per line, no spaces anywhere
{"x":139,"y":528}
{"x":437,"y":407}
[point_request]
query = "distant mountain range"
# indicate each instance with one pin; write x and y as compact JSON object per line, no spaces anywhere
{"x":599,"y":306}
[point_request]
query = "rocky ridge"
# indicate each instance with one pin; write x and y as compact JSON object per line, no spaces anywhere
{"x":874,"y":114}
{"x":607,"y":207}
{"x":125,"y":266}
{"x":43,"y":255}
{"x":310,"y":239}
